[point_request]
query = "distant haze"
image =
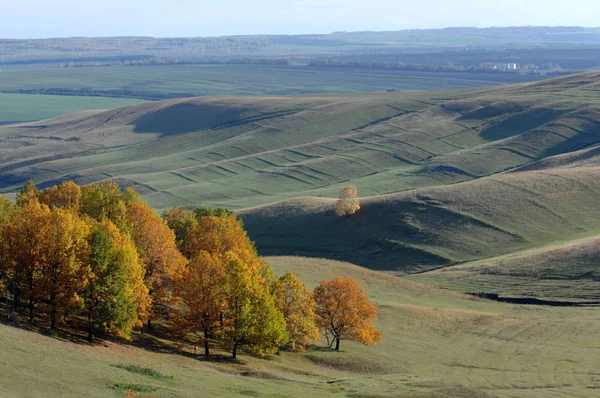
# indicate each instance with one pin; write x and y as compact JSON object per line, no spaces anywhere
{"x":185,"y":18}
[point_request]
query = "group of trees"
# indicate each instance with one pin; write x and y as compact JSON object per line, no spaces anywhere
{"x":100,"y":259}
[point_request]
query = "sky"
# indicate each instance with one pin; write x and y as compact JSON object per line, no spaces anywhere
{"x":185,"y":18}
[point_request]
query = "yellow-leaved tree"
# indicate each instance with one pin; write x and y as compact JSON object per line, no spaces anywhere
{"x":345,"y":312}
{"x":158,"y":252}
{"x":64,"y":258}
{"x":348,"y":202}
{"x":6,"y":211}
{"x":251,"y":318}
{"x":295,"y":302}
{"x":25,"y":241}
{"x":64,"y":196}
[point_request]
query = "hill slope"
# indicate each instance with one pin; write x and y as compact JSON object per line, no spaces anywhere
{"x":446,"y":177}
{"x":435,"y":344}
{"x":240,"y":152}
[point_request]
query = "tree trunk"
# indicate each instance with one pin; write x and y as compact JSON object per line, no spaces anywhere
{"x":149,"y":323}
{"x":234,"y":353}
{"x":337,"y":344}
{"x":206,"y":347}
{"x":90,"y":332}
{"x":53,"y":311}
{"x":31,"y":305}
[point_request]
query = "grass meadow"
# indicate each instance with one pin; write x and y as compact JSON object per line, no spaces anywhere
{"x":435,"y":344}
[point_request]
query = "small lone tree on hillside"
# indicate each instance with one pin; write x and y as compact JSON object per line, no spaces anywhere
{"x":348,"y":202}
{"x":345,"y":312}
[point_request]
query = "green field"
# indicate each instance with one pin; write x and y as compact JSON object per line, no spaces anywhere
{"x":435,"y":344}
{"x":160,"y":82}
{"x":30,"y":107}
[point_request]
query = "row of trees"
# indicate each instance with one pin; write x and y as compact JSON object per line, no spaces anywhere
{"x":101,"y":259}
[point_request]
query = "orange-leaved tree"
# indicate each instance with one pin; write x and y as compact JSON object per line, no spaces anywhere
{"x":295,"y":302}
{"x":155,"y":243}
{"x":345,"y":312}
{"x":348,"y":202}
{"x":201,"y":291}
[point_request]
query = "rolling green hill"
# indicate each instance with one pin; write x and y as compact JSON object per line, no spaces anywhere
{"x":435,"y":344}
{"x":445,"y":177}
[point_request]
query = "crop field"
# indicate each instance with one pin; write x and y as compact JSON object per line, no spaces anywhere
{"x":30,"y":107}
{"x":165,"y":81}
{"x":436,"y":344}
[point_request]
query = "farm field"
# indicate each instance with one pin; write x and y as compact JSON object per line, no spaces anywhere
{"x":30,"y":107}
{"x":169,"y":81}
{"x":436,"y":344}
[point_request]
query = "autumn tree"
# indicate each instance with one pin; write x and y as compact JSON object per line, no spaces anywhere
{"x":6,"y":211}
{"x":155,"y":243}
{"x":201,"y":289}
{"x":295,"y":302}
{"x":180,"y":221}
{"x":221,"y":236}
{"x":251,"y":318}
{"x":345,"y":312}
{"x":64,"y":196}
{"x":114,"y":294}
{"x":25,"y":239}
{"x":27,"y":193}
{"x":348,"y":203}
{"x":64,"y":256}
{"x":218,"y":212}
{"x":105,"y":200}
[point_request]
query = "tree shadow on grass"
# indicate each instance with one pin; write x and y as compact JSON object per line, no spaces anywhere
{"x":39,"y":326}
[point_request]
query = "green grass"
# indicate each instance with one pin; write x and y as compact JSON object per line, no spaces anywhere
{"x":564,"y":271}
{"x":168,"y":81}
{"x":435,"y":343}
{"x":140,"y":370}
{"x":30,"y":107}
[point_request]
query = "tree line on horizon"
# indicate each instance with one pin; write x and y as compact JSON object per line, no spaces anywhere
{"x":98,"y":259}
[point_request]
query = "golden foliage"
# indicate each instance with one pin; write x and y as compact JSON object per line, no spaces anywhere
{"x":295,"y":302}
{"x":158,"y":252}
{"x":345,"y":312}
{"x":348,"y":202}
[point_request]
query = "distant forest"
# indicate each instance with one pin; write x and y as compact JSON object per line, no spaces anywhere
{"x":564,"y":48}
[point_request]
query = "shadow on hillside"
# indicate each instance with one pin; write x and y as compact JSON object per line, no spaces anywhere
{"x":187,"y":117}
{"x":160,"y":340}
{"x":39,"y":326}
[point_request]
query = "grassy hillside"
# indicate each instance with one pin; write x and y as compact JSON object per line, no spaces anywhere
{"x":30,"y":107}
{"x":562,"y":271}
{"x":435,"y":344}
{"x":428,"y":228}
{"x":445,"y":177}
{"x":176,"y":81}
{"x":246,"y":151}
